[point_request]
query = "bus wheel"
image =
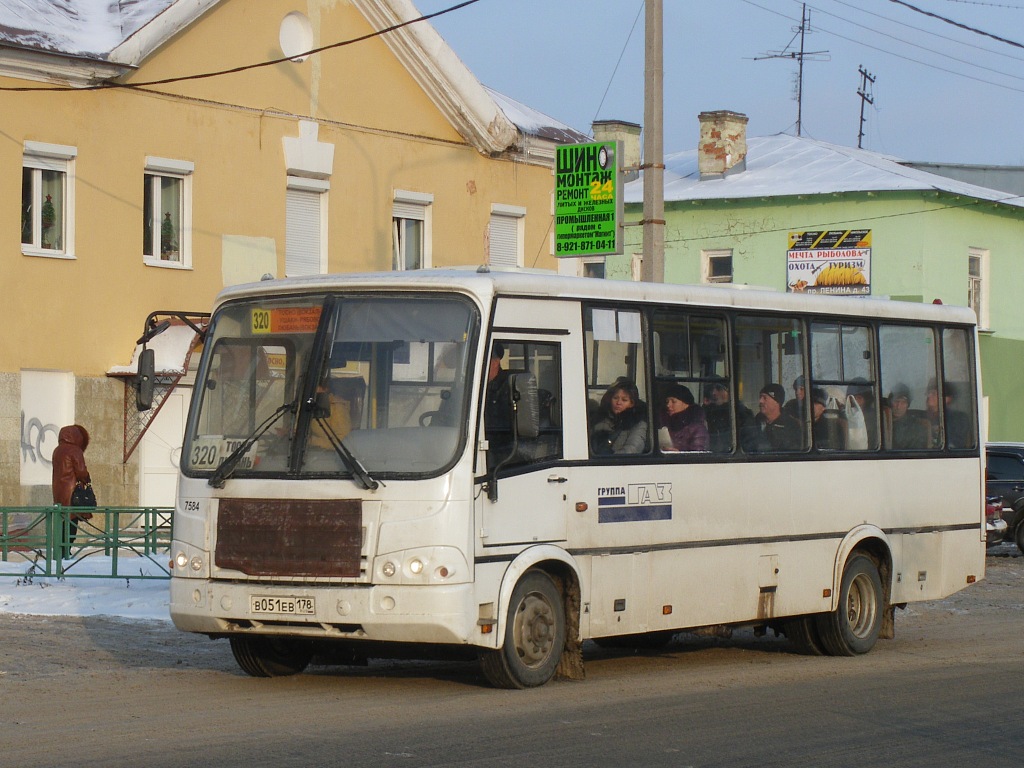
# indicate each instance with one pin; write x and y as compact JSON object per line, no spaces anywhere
{"x":270,"y":656}
{"x":803,"y":634}
{"x":534,"y":636}
{"x":855,"y":625}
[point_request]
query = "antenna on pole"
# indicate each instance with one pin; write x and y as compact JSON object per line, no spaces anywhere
{"x":866,"y":81}
{"x":802,"y":31}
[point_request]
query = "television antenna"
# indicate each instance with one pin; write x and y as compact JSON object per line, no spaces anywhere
{"x":799,"y":55}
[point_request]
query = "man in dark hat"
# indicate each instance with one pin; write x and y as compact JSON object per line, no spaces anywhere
{"x":908,"y":431}
{"x":779,"y":431}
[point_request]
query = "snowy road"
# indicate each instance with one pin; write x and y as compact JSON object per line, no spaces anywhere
{"x":92,"y":691}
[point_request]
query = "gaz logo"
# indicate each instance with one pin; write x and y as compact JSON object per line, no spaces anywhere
{"x":635,"y":502}
{"x":649,"y":493}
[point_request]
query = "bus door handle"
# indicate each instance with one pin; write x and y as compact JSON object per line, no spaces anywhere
{"x":557,"y":479}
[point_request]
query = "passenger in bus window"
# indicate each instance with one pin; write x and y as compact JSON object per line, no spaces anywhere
{"x":718,"y":411}
{"x":797,"y":406}
{"x":958,"y":429}
{"x":497,"y":411}
{"x":908,"y":431}
{"x":828,"y":425}
{"x":778,"y":431}
{"x":683,"y":423}
{"x":620,"y":425}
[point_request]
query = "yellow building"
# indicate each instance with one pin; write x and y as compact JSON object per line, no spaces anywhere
{"x":174,"y":148}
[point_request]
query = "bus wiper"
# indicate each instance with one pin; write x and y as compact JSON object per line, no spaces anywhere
{"x":226,"y":467}
{"x":350,"y":461}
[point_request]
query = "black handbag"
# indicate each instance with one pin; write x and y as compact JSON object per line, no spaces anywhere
{"x":83,"y":495}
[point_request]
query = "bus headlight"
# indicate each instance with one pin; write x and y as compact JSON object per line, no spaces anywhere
{"x":415,"y":566}
{"x":388,"y":569}
{"x":196,"y":563}
{"x":181,"y":559}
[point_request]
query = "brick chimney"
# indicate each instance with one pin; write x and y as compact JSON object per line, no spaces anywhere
{"x":628,"y":134}
{"x":722,"y":148}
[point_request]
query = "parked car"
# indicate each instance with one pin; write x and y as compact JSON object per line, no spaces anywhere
{"x":1005,"y":477}
{"x":995,"y":526}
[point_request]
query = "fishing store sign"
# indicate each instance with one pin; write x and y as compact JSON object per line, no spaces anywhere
{"x":836,"y":262}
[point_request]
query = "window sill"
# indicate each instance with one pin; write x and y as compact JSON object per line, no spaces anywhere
{"x":163,"y":264}
{"x":27,"y":250}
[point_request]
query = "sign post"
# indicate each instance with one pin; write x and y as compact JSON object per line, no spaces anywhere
{"x":588,"y":199}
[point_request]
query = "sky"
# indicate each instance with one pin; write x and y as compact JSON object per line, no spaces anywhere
{"x":940,"y":93}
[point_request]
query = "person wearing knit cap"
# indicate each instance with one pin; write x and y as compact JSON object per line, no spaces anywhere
{"x":683,"y":421}
{"x":779,"y":431}
{"x":620,"y":424}
{"x":797,"y":406}
{"x":909,"y":432}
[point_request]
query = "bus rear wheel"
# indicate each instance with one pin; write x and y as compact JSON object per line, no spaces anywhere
{"x":534,"y":636}
{"x":271,"y":656}
{"x":854,"y":626}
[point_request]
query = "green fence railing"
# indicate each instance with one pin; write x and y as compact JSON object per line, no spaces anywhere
{"x":42,"y":535}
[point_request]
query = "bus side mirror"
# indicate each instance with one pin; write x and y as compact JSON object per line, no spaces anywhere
{"x":526,"y":405}
{"x":145,"y":379}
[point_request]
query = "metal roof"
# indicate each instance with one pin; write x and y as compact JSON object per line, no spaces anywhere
{"x":783,"y":165}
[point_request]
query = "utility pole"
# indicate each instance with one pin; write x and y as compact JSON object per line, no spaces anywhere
{"x":653,"y":268}
{"x":785,"y":53}
{"x":866,"y":81}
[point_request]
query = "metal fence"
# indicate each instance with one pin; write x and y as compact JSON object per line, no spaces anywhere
{"x":43,"y":536}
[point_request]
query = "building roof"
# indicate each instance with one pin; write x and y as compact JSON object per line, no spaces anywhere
{"x":42,"y":36}
{"x":783,"y":165}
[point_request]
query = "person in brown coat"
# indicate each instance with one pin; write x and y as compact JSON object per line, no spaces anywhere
{"x":69,"y":468}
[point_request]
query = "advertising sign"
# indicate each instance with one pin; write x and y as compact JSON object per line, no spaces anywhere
{"x":588,"y":199}
{"x":834,"y":262}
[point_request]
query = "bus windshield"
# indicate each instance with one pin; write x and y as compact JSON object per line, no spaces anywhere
{"x":332,"y":386}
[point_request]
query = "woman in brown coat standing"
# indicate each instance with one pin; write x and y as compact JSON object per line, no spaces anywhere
{"x":69,"y":469}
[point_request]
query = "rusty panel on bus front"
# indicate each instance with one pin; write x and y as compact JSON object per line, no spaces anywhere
{"x":290,"y":537}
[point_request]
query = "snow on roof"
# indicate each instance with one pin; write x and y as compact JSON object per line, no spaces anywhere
{"x":534,"y":123}
{"x":171,"y":350}
{"x":90,"y":28}
{"x":782,"y":165}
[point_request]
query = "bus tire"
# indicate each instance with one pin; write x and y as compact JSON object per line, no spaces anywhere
{"x":854,"y":626}
{"x":270,"y":656}
{"x":534,"y":636}
{"x":802,"y":632}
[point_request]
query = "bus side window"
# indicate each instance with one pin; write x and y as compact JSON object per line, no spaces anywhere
{"x":544,"y":361}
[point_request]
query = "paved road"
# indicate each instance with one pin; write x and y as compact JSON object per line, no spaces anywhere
{"x":945,"y":692}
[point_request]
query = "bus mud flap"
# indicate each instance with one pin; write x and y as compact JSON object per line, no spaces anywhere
{"x":570,"y":666}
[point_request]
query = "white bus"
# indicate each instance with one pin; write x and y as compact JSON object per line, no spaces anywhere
{"x":351,"y":479}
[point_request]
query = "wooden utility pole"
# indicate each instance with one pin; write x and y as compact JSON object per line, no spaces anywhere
{"x":866,"y":81}
{"x":653,"y":269}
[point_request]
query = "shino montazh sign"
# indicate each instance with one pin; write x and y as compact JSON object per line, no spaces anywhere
{"x":836,"y":262}
{"x":588,"y":199}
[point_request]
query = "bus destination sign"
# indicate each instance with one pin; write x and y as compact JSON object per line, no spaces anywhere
{"x":588,"y":199}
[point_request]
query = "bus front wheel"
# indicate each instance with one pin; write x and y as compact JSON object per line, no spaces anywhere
{"x":534,"y":636}
{"x":270,"y":656}
{"x":854,"y":626}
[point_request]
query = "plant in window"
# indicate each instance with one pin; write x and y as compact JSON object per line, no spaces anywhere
{"x":48,"y":217}
{"x":168,"y":246}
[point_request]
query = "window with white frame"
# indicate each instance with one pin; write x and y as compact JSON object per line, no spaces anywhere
{"x":591,"y":266}
{"x":505,"y":235}
{"x":978,"y":284}
{"x":716,"y":265}
{"x":167,"y":212}
{"x":47,"y":199}
{"x":305,"y":233}
{"x":411,"y":230}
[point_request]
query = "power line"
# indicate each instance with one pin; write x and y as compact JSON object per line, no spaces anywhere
{"x":617,"y":63}
{"x":957,"y":23}
{"x":245,"y":67}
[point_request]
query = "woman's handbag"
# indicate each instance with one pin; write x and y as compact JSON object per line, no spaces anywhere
{"x":83,"y":496}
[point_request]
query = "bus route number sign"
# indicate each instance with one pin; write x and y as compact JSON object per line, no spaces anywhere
{"x":588,"y":199}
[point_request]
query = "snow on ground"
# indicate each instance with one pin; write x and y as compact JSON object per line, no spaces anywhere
{"x":23,"y":590}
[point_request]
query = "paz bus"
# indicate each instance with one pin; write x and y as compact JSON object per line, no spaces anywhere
{"x":346,"y":489}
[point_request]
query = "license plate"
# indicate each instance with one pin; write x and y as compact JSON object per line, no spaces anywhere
{"x":296,"y":606}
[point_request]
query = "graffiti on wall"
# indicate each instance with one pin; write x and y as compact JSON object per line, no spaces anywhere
{"x":47,"y":404}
